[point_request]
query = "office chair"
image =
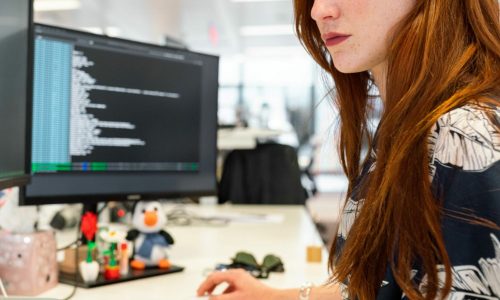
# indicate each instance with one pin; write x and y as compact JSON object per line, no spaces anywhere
{"x":268,"y":174}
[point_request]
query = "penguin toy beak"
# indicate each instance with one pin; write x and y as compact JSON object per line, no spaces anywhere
{"x":150,"y":218}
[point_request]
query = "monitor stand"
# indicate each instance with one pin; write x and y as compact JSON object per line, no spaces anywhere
{"x":76,"y":279}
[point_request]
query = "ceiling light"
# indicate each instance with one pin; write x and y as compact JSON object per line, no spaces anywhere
{"x":51,"y":5}
{"x":260,"y":30}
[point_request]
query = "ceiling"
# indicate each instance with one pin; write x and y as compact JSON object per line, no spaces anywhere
{"x":226,"y":27}
{"x":241,"y":26}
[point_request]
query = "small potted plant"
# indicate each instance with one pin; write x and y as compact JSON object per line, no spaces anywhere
{"x":89,"y":268}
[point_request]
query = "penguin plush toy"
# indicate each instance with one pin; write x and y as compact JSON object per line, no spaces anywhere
{"x":150,"y":240}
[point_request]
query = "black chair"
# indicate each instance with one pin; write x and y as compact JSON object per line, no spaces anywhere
{"x":268,"y":174}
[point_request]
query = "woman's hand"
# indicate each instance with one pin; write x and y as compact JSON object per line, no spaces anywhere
{"x":242,"y":286}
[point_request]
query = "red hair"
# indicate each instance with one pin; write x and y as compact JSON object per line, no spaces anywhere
{"x":444,"y":54}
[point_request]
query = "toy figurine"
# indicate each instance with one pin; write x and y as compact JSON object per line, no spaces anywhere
{"x":89,"y":268}
{"x":150,"y":240}
{"x":113,"y":236}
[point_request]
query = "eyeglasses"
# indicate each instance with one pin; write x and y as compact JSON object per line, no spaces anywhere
{"x":246,"y":261}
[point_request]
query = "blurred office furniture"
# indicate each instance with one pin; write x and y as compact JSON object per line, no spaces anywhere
{"x":306,"y":161}
{"x":202,"y":247}
{"x":325,"y":210}
{"x":243,"y":137}
{"x":268,"y":174}
{"x":175,"y":43}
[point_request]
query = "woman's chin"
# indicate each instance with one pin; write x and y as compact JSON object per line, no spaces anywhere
{"x":347,"y":68}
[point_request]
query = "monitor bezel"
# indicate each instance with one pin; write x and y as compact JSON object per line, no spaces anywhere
{"x":24,"y":179}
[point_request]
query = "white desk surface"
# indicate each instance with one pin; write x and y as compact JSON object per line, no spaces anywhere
{"x":200,"y":247}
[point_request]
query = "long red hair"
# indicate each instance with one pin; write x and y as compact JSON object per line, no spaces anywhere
{"x":444,"y":54}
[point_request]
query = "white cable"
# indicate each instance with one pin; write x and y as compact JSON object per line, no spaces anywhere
{"x":2,"y":288}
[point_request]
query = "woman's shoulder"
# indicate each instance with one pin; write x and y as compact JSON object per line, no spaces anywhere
{"x":467,"y":137}
{"x":472,"y":111}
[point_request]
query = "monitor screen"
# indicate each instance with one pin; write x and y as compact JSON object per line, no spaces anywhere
{"x":15,"y":40}
{"x":120,"y":120}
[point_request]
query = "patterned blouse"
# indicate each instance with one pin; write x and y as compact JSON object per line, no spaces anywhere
{"x":464,"y":149}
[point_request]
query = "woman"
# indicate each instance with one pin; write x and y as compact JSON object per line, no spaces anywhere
{"x":423,"y":213}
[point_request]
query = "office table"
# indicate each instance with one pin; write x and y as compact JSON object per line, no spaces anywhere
{"x":286,"y":233}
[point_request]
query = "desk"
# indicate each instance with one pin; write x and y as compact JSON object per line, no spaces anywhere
{"x":201,"y":247}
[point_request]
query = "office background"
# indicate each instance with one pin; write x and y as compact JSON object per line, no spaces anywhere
{"x":269,"y":89}
{"x":266,"y":78}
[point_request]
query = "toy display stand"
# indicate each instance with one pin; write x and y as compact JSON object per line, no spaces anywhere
{"x":69,"y":278}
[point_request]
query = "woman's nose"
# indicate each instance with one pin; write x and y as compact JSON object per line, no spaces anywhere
{"x":325,"y":9}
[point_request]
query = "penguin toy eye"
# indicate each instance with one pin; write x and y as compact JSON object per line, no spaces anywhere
{"x":156,"y":208}
{"x":143,"y":211}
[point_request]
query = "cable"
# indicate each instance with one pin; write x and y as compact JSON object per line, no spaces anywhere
{"x":179,"y":216}
{"x":67,"y":246}
{"x":4,"y":292}
{"x":75,"y":277}
{"x":99,"y":211}
{"x":77,"y":243}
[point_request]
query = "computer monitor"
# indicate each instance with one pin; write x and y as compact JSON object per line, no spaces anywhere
{"x":15,"y":42}
{"x":115,"y":119}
